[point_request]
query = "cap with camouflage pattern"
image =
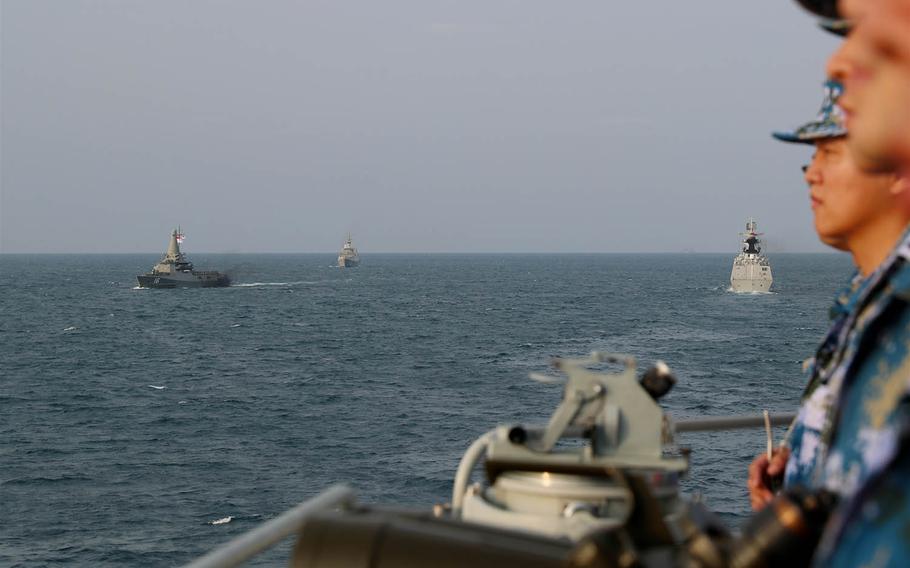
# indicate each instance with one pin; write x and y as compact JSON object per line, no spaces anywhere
{"x":828,"y":124}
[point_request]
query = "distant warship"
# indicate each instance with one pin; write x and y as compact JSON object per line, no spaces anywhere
{"x":751,"y":269}
{"x":175,"y":271}
{"x":348,"y":256}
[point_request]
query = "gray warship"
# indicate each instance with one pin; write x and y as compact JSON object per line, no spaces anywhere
{"x":348,"y":257}
{"x":175,"y":271}
{"x":751,"y":269}
{"x":595,"y":487}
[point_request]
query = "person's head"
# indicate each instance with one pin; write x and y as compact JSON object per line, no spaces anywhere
{"x":874,"y":63}
{"x":846,"y":200}
{"x":858,"y":203}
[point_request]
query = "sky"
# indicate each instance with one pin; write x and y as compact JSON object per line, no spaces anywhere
{"x":417,"y":125}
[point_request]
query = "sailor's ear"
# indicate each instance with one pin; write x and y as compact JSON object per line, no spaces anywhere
{"x":901,"y":187}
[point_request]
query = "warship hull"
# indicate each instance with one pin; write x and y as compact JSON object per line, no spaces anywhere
{"x":193,"y":281}
{"x":347,"y":262}
{"x":751,"y":278}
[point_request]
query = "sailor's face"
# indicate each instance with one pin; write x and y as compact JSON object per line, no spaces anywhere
{"x":877,"y":92}
{"x":844,"y":198}
{"x":841,"y":63}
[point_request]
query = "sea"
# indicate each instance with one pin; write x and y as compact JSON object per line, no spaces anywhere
{"x":145,"y":427}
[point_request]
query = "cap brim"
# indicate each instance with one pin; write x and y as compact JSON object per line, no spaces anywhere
{"x":791,"y":137}
{"x":836,"y":27}
{"x":823,"y":8}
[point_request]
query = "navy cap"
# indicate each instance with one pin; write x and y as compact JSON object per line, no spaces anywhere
{"x":828,"y":124}
{"x":824,"y":8}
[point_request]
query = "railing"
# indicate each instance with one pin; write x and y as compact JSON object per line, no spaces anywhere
{"x":249,"y":544}
{"x":731,"y":422}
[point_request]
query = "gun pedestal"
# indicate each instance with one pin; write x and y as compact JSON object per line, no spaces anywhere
{"x":568,"y":478}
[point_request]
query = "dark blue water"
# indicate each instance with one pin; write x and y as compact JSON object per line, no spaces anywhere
{"x":303,"y":375}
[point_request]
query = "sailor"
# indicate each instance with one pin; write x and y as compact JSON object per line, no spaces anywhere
{"x":853,"y":211}
{"x":851,"y":435}
{"x":879,"y":86}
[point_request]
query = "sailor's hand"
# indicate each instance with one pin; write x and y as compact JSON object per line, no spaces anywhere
{"x":765,"y":475}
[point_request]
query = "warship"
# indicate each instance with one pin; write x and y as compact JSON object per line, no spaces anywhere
{"x":348,"y":256}
{"x":175,"y":271}
{"x":751,"y":269}
{"x":597,"y":486}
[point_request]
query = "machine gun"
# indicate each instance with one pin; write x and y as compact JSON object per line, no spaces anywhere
{"x":598,"y":485}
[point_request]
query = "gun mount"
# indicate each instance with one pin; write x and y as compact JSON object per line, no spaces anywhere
{"x":541,"y":479}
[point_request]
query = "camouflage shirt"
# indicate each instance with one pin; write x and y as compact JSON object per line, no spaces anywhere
{"x":849,"y":434}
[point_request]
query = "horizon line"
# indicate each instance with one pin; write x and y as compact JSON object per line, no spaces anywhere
{"x":734,"y":253}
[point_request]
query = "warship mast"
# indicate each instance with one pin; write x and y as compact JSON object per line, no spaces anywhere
{"x":173,"y":256}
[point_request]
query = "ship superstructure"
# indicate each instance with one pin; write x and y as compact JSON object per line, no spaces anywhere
{"x":175,"y":271}
{"x":751,"y":269}
{"x":348,"y":257}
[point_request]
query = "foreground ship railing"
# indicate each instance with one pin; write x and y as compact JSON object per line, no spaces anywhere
{"x":542,"y":501}
{"x":709,"y":423}
{"x":250,"y":544}
{"x":270,"y":533}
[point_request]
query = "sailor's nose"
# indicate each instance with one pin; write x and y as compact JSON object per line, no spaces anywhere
{"x":811,"y":174}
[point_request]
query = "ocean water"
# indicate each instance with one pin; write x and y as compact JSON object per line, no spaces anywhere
{"x":132,"y":420}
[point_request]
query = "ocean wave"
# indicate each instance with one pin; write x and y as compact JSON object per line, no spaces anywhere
{"x":221,"y":521}
{"x":279,"y":284}
{"x":45,"y":479}
{"x":261,"y":284}
{"x":752,"y":293}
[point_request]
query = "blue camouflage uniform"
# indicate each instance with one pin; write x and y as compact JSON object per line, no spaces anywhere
{"x":852,"y":433}
{"x":849,"y":434}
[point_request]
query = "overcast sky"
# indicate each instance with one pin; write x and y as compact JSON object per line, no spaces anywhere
{"x":424,"y":125}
